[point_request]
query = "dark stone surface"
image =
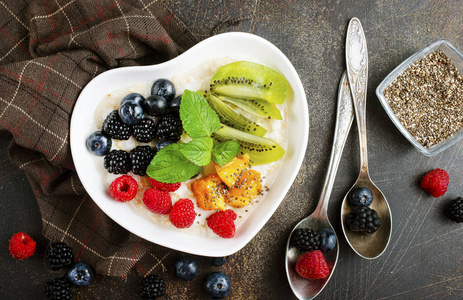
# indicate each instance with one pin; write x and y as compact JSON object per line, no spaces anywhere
{"x":424,"y":258}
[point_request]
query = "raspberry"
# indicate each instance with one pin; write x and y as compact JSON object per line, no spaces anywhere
{"x":167,"y":187}
{"x":21,"y":246}
{"x":182,"y":214}
{"x":312,"y":265}
{"x":222,"y":223}
{"x":157,"y":201}
{"x":123,"y":188}
{"x":435,"y":182}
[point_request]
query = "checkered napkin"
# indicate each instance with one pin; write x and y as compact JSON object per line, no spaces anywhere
{"x":49,"y":50}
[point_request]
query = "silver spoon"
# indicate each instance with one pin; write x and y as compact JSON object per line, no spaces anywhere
{"x":369,"y":246}
{"x":304,"y":288}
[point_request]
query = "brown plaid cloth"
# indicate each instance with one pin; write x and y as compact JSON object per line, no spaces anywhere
{"x":49,"y":50}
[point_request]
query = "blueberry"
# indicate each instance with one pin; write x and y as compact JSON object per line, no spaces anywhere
{"x":164,"y":88}
{"x":155,"y":105}
{"x":217,"y":285}
{"x":81,"y":274}
{"x":186,"y":268}
{"x":162,"y":143}
{"x":361,"y":196}
{"x":99,"y":143}
{"x":327,"y":239}
{"x":131,"y":112}
{"x":174,"y":104}
{"x":133,"y":97}
{"x":218,"y":261}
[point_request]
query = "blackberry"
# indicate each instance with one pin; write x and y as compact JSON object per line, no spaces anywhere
{"x":170,"y":128}
{"x":364,"y":219}
{"x":115,"y":128}
{"x":305,"y":239}
{"x":152,"y":287}
{"x":454,"y":210}
{"x":141,"y":157}
{"x":59,"y":255}
{"x":145,"y":131}
{"x":58,"y":289}
{"x":117,"y":162}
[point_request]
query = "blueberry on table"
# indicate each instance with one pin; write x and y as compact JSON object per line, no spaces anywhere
{"x":134,"y":98}
{"x":327,"y":239}
{"x":186,"y":268}
{"x":164,"y":88}
{"x":130,"y":112}
{"x":361,"y":196}
{"x":155,"y":105}
{"x":81,"y":274}
{"x":217,"y":285}
{"x":218,"y":261}
{"x":98,"y":143}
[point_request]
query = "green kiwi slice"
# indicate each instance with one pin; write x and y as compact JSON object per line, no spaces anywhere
{"x":260,"y":108}
{"x":261,"y":150}
{"x":248,"y":80}
{"x":230,"y":117}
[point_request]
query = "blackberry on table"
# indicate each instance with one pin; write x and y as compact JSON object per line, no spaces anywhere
{"x":141,"y":157}
{"x":117,"y":162}
{"x":58,"y":289}
{"x":59,"y":255}
{"x":170,"y":128}
{"x":305,"y":239}
{"x":454,"y":210}
{"x":363,"y":219}
{"x":152,"y":287}
{"x":115,"y":128}
{"x":145,"y":131}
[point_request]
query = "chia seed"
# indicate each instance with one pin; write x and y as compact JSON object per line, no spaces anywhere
{"x":427,"y":98}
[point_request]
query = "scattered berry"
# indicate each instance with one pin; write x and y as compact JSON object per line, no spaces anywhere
{"x":133,"y":97}
{"x":312,"y":265}
{"x":21,"y":246}
{"x":131,"y":112}
{"x":59,"y":255}
{"x":186,"y":268}
{"x":152,"y":287}
{"x":217,"y":285}
{"x":145,"y":131}
{"x":81,"y":274}
{"x":115,"y":128}
{"x":157,"y":201}
{"x":435,"y":182}
{"x":327,"y":239}
{"x":170,"y":128}
{"x":58,"y":289}
{"x":166,"y":187}
{"x":182,"y":214}
{"x":162,"y":143}
{"x":123,"y":188}
{"x":164,"y":88}
{"x":454,"y":210}
{"x":362,"y":218}
{"x":140,"y":158}
{"x":117,"y":162}
{"x":222,"y":223}
{"x":219,"y":261}
{"x":99,"y":143}
{"x":155,"y":105}
{"x":361,"y":196}
{"x":305,"y":239}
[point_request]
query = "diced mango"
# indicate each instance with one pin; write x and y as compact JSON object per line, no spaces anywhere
{"x":245,"y":189}
{"x":209,"y":192}
{"x":230,"y":172}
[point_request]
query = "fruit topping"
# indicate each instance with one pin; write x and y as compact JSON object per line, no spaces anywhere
{"x":219,"y":261}
{"x":59,"y":255}
{"x":435,"y":182}
{"x":152,"y":287}
{"x":312,"y":265}
{"x":217,"y":285}
{"x":209,"y":192}
{"x":454,"y":210}
{"x":170,"y":128}
{"x":259,"y":108}
{"x":118,"y":162}
{"x":145,"y":131}
{"x":115,"y":128}
{"x":222,"y":223}
{"x":361,"y":196}
{"x":21,"y":246}
{"x":166,"y":187}
{"x":247,"y":188}
{"x":305,"y":239}
{"x":134,"y":98}
{"x":164,"y":88}
{"x":174,"y":104}
{"x":131,"y":112}
{"x":364,"y":219}
{"x":140,"y":158}
{"x":155,"y":105}
{"x":157,"y":201}
{"x":186,"y":268}
{"x":182,"y":214}
{"x":81,"y":274}
{"x":123,"y":188}
{"x":230,"y":172}
{"x":58,"y":289}
{"x":327,"y":239}
{"x":99,"y":143}
{"x":162,"y":143}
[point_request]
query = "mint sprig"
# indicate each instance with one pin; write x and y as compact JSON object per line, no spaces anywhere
{"x":224,"y":152}
{"x":198,"y":150}
{"x":198,"y":118}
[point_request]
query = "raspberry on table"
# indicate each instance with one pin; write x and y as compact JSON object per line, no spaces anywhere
{"x":182,"y":214}
{"x":454,"y":210}
{"x":167,"y":187}
{"x":435,"y":182}
{"x":58,"y":289}
{"x":305,"y":239}
{"x":123,"y":188}
{"x":21,"y":246}
{"x":152,"y":287}
{"x":115,"y":128}
{"x":141,"y":157}
{"x":222,"y":223}
{"x":157,"y":201}
{"x":118,"y":162}
{"x":59,"y":255}
{"x":312,"y":265}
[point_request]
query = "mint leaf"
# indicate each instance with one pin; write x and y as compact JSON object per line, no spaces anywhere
{"x":224,"y":152}
{"x":198,"y":150}
{"x":198,"y":118}
{"x":169,"y":165}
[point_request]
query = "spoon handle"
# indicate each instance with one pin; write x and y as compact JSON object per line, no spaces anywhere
{"x":357,"y":72}
{"x":344,"y":118}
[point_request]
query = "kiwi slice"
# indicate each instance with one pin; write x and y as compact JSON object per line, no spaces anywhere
{"x":248,"y":80}
{"x":230,"y":117}
{"x":260,"y":108}
{"x":261,"y":150}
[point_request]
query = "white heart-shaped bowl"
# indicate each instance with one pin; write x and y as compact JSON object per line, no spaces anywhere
{"x":240,"y":46}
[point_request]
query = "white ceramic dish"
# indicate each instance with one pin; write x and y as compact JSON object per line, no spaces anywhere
{"x":237,"y":46}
